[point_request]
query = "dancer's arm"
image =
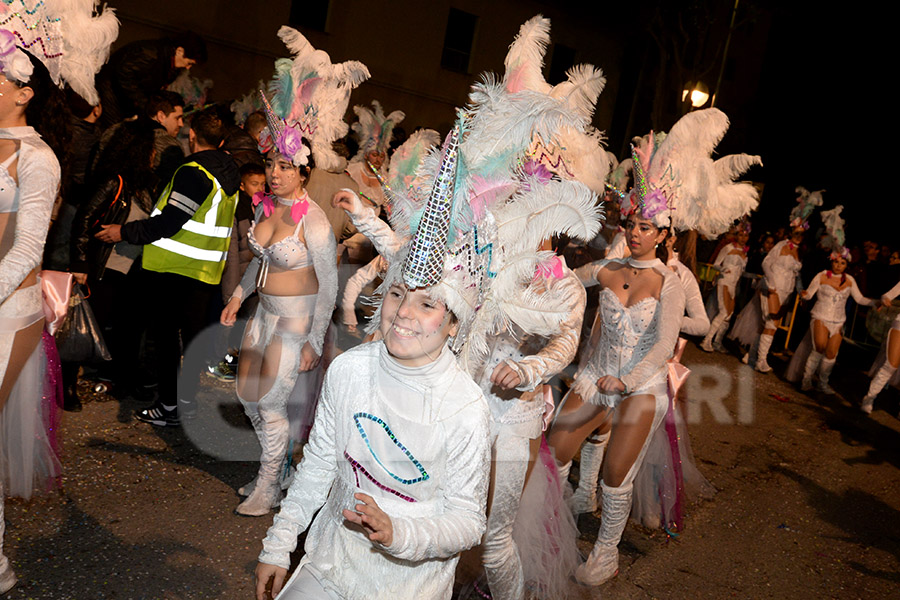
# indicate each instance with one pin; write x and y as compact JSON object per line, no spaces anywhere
{"x":385,"y":240}
{"x":322,"y":248}
{"x":671,"y":306}
{"x":462,"y":522}
{"x":561,"y":348}
{"x":587,"y":274}
{"x":353,"y":288}
{"x":38,"y":185}
{"x":857,"y":295}
{"x":696,"y":321}
{"x":810,"y":292}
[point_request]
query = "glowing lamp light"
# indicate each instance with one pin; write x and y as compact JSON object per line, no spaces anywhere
{"x":699,"y":94}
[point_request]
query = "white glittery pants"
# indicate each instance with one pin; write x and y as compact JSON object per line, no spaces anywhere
{"x":510,"y":456}
{"x":305,"y":585}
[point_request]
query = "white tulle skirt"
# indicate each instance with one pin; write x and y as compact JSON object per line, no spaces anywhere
{"x":749,"y":323}
{"x":28,"y":458}
{"x":545,"y":531}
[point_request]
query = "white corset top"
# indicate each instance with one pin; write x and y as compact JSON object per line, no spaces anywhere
{"x":628,"y":333}
{"x":9,"y":191}
{"x":831,"y":304}
{"x":732,"y":268}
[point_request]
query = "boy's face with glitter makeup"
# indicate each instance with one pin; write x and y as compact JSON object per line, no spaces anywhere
{"x":415,"y":327}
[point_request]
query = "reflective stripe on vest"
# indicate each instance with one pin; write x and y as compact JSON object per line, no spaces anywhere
{"x":199,"y":248}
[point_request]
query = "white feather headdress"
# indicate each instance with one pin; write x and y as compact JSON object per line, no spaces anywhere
{"x":807,"y":202}
{"x":71,"y":37}
{"x":573,"y":152}
{"x":494,"y":200}
{"x":373,"y":130}
{"x":310,"y":95}
{"x":834,"y":237}
{"x":677,"y":183}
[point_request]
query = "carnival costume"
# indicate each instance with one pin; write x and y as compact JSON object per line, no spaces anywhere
{"x":309,"y":96}
{"x":731,"y":262}
{"x":417,"y":441}
{"x":72,"y":44}
{"x":519,"y":188}
{"x":780,"y":272}
{"x":882,"y":370}
{"x":830,"y":310}
{"x":374,"y":132}
{"x":676,"y":185}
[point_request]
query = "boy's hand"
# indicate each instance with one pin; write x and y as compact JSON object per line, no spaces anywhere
{"x":372,"y":519}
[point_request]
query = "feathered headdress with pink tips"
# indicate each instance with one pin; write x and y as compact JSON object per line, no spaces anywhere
{"x":309,"y":96}
{"x":677,"y":184}
{"x":70,"y":37}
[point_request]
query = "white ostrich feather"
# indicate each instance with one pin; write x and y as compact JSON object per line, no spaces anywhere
{"x":86,"y":39}
{"x":582,"y":89}
{"x":525,"y":60}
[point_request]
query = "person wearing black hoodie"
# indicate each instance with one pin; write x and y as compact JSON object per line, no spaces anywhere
{"x":185,"y":243}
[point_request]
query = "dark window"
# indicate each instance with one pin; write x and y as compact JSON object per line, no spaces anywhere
{"x":562,"y":60}
{"x":311,"y":14}
{"x":458,"y":41}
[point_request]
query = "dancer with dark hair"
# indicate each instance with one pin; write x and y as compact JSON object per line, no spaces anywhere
{"x":33,"y":132}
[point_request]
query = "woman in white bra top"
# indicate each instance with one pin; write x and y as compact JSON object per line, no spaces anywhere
{"x":639,"y":315}
{"x":294,"y":271}
{"x":29,"y":182}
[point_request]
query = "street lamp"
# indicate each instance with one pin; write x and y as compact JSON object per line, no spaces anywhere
{"x":699,"y":94}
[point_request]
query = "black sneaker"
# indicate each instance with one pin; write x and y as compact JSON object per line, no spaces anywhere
{"x":159,"y":415}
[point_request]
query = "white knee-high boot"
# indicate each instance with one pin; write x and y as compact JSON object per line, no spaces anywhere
{"x":824,"y":374}
{"x":713,"y":333}
{"x":603,"y":563}
{"x":274,"y":433}
{"x":585,"y":498}
{"x":720,"y":335}
{"x":765,"y":342}
{"x":251,"y":409}
{"x":809,"y":369}
{"x":881,"y":378}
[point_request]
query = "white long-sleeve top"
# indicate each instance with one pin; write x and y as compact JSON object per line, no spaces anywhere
{"x":38,"y":183}
{"x":535,"y":359}
{"x":781,"y":270}
{"x":696,"y":321}
{"x":354,"y":287}
{"x":731,"y":266}
{"x":418,"y":441}
{"x":831,"y":303}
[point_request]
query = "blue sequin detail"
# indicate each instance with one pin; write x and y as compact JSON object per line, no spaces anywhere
{"x":390,"y":433}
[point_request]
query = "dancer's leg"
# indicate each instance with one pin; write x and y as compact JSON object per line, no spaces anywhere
{"x":637,"y":417}
{"x":7,"y":577}
{"x":585,"y":498}
{"x":276,"y":380}
{"x":23,"y":345}
{"x":500,"y":554}
{"x":884,"y":374}
{"x":573,"y":425}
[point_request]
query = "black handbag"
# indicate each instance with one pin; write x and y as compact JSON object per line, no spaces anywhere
{"x":79,"y":339}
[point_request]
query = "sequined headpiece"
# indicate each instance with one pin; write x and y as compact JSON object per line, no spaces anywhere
{"x":493,"y":198}
{"x":70,"y":38}
{"x":308,"y":97}
{"x":677,"y":184}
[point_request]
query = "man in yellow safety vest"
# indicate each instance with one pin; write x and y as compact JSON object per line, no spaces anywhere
{"x":185,"y":243}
